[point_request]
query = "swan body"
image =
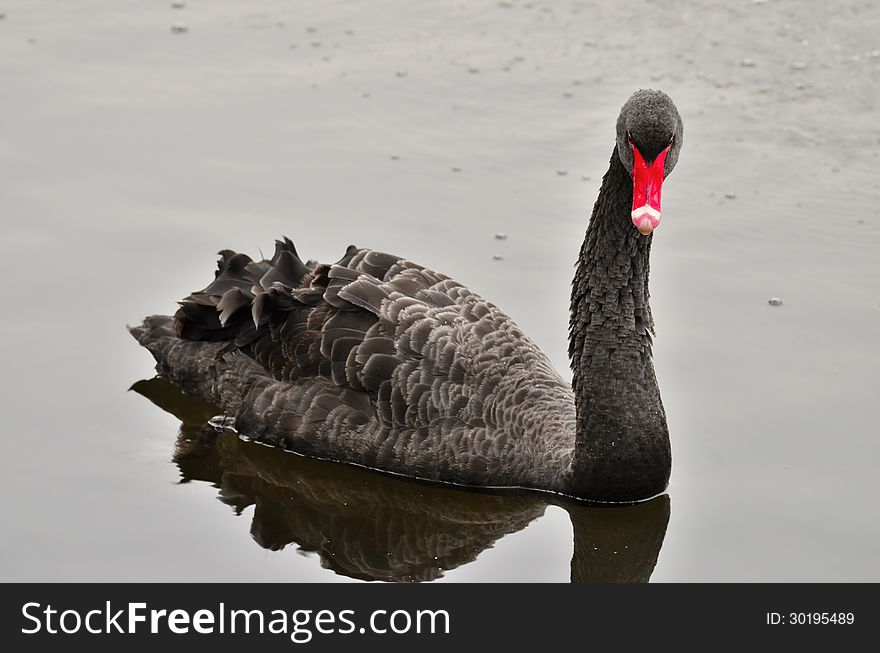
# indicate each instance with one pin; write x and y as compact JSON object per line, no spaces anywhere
{"x":377,"y":361}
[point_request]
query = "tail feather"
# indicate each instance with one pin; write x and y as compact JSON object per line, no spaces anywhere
{"x":205,"y":369}
{"x":223,"y":376}
{"x":153,"y":329}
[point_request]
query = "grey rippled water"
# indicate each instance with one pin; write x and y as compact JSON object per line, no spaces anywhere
{"x":136,"y":140}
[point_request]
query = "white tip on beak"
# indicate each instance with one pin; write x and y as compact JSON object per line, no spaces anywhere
{"x":646,"y":218}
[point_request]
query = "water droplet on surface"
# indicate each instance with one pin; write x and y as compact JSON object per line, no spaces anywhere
{"x":179,"y":28}
{"x":774,"y":301}
{"x":501,"y":236}
{"x":456,"y":169}
{"x":473,"y":71}
{"x":730,"y":196}
{"x":394,"y":157}
{"x":497,"y":257}
{"x":178,"y":4}
{"x":747,"y":63}
{"x":562,"y":173}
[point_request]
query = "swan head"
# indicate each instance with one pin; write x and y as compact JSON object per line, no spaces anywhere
{"x":649,"y":138}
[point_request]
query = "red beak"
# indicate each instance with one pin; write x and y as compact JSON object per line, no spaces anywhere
{"x":647,"y":183}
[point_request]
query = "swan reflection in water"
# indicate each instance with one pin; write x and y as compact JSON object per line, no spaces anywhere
{"x":373,"y":526}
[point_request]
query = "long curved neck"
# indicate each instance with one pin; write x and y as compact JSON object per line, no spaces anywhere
{"x":622,"y":443}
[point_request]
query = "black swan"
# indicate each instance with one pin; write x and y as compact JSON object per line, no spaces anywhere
{"x":380,"y":362}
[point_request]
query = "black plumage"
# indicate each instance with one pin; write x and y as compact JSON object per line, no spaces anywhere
{"x":378,"y":361}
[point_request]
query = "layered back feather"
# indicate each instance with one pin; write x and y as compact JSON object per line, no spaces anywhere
{"x":372,"y":360}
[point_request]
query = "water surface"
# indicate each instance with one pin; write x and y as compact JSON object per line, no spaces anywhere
{"x":130,"y":154}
